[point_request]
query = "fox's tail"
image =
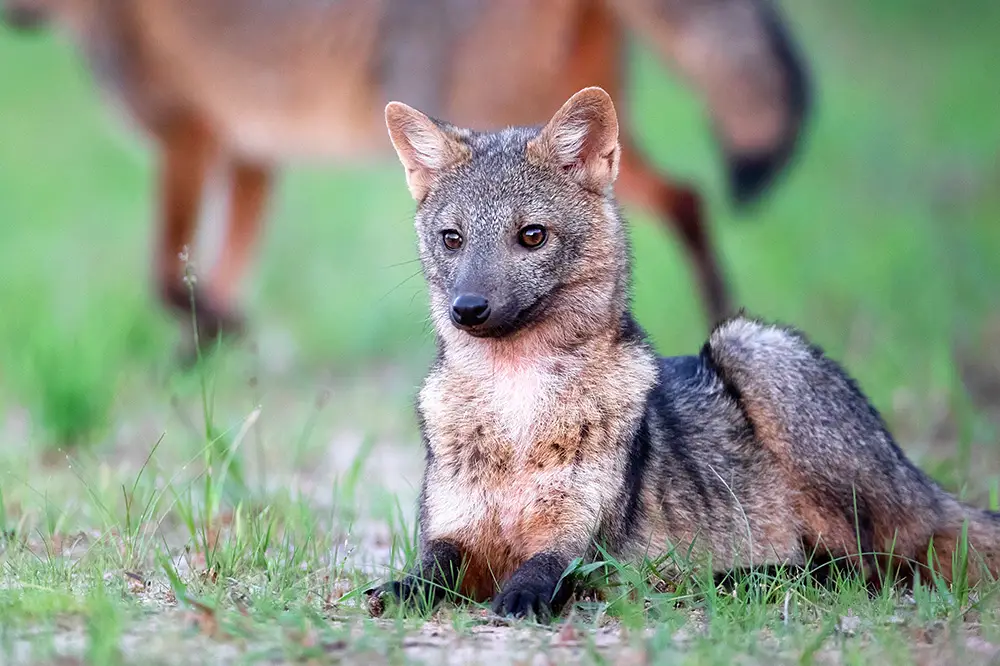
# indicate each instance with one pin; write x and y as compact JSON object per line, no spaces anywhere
{"x":739,"y":56}
{"x":969,"y":539}
{"x":857,"y":486}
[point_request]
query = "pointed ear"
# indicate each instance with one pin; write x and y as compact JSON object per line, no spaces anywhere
{"x":424,"y":148}
{"x":582,"y":140}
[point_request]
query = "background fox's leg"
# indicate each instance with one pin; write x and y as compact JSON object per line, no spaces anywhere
{"x":599,"y":60}
{"x":641,"y":184}
{"x":249,"y":186}
{"x":189,"y":150}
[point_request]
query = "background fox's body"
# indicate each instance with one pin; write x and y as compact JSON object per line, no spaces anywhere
{"x":551,"y":424}
{"x":257,"y":83}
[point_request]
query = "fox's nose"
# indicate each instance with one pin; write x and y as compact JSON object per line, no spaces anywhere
{"x":470,"y":310}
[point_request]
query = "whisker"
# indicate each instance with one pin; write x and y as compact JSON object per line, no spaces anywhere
{"x":384,"y":296}
{"x":414,"y":296}
{"x":401,"y":263}
{"x":420,"y":256}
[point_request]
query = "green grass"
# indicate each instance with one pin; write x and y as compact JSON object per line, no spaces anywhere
{"x":234,"y":512}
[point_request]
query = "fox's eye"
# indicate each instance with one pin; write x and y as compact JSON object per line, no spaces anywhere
{"x":532,"y":236}
{"x":452,"y":239}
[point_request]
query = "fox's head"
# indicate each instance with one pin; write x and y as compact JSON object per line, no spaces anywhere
{"x":518,"y":229}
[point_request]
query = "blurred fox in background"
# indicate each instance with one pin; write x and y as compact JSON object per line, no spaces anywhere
{"x":254,"y":84}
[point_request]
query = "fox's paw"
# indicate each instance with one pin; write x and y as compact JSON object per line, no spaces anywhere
{"x":212,"y":327}
{"x":213,"y":321}
{"x":524,"y":601}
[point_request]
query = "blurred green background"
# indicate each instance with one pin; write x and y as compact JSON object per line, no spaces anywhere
{"x":882,"y":242}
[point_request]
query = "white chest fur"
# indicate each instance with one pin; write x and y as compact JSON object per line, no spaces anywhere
{"x":514,"y":394}
{"x":520,"y":397}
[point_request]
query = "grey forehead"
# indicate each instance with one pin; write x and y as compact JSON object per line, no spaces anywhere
{"x":497,"y":165}
{"x":501,"y":143}
{"x":494,"y":183}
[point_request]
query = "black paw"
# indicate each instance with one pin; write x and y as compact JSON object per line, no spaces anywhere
{"x":524,"y":602}
{"x":213,"y":321}
{"x":400,"y":590}
{"x":212,"y":330}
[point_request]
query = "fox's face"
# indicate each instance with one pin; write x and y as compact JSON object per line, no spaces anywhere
{"x":516,"y":226}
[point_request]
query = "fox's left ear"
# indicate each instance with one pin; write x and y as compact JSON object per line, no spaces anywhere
{"x":424,"y":147}
{"x":581,"y":139}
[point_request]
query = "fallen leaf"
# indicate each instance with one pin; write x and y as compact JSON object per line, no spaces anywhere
{"x":136,"y":583}
{"x":376,"y":606}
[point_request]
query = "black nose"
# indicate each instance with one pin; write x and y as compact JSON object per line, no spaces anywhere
{"x":470,"y":310}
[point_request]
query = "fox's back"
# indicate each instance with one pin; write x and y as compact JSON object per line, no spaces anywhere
{"x":309,"y":78}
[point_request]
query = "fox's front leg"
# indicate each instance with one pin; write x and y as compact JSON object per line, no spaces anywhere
{"x":432,"y":577}
{"x":555,"y":528}
{"x":535,"y":588}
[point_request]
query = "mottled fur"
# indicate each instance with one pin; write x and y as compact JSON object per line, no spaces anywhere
{"x":553,"y":425}
{"x":251,"y":85}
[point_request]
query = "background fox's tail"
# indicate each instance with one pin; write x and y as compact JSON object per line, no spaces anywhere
{"x":857,"y":492}
{"x":738,"y":55}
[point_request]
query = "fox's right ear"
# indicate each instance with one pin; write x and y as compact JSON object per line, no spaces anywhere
{"x":424,"y":148}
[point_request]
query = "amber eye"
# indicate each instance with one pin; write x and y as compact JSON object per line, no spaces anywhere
{"x":452,"y":239}
{"x":532,"y":236}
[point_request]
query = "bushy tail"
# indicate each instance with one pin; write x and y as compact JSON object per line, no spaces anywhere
{"x":968,"y":540}
{"x":738,"y":55}
{"x":856,"y":485}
